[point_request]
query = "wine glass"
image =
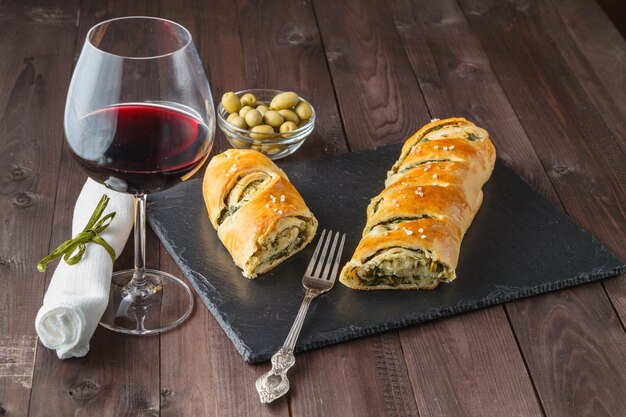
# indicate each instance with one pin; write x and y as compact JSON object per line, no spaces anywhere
{"x":139,"y":118}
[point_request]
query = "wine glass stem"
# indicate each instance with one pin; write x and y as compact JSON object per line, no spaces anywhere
{"x":139,"y":277}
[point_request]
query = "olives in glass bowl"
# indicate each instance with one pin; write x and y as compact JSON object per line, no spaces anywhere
{"x":275,"y":123}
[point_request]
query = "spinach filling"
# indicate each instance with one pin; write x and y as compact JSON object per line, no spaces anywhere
{"x":376,"y":204}
{"x":227,"y":213}
{"x":245,"y":196}
{"x":472,"y":136}
{"x":376,"y":276}
{"x":430,"y":161}
{"x":388,"y":224}
{"x":296,"y":244}
{"x":434,"y":129}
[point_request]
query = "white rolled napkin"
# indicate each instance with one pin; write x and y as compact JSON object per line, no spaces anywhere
{"x":78,"y":294}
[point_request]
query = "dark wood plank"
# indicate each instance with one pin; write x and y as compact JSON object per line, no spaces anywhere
{"x":456,"y":79}
{"x":616,"y":11}
{"x":597,"y":58}
{"x":379,"y":98}
{"x":359,"y":378}
{"x":370,"y":23}
{"x":120,"y":374}
{"x":560,"y":121}
{"x":34,"y":79}
{"x":220,"y":48}
{"x":201,"y":372}
{"x":576,"y":355}
{"x":282,"y":49}
{"x":474,"y":380}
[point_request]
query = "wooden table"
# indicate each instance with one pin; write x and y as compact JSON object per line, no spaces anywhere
{"x":547,"y":79}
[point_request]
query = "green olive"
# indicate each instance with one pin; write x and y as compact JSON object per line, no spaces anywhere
{"x":304,"y":110}
{"x":284,"y":100}
{"x":287,"y":127}
{"x":231,"y":117}
{"x":290,"y":115}
{"x":248,"y":99}
{"x":231,"y":102}
{"x":253,"y":118}
{"x":238,"y":143}
{"x":262,"y":132}
{"x":244,"y":110}
{"x":239,"y":122}
{"x":271,"y":150}
{"x":262,"y":108}
{"x":273,"y":118}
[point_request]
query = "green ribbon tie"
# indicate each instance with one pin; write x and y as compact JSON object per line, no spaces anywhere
{"x":91,"y":233}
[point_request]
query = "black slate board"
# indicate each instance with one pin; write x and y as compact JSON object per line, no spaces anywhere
{"x":518,"y":245}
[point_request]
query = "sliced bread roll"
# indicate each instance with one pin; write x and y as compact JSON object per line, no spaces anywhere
{"x":415,"y":226}
{"x":259,"y":215}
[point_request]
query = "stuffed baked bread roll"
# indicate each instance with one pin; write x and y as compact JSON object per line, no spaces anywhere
{"x":415,"y":226}
{"x":258,"y":214}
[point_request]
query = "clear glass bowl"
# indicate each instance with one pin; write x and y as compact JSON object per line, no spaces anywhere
{"x":274,"y":147}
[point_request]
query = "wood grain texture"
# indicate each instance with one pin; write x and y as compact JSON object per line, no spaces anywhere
{"x":577,"y":363}
{"x":220,"y":48}
{"x":360,"y":378}
{"x":379,"y":98}
{"x":33,"y":78}
{"x":583,"y":163}
{"x":201,"y":372}
{"x":473,"y":381}
{"x":596,"y":58}
{"x":456,"y":79}
{"x":283,"y":50}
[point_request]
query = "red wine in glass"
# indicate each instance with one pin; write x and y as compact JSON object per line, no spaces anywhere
{"x":139,"y":118}
{"x":141,"y":147}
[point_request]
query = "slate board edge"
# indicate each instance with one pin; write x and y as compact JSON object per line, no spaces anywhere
{"x":240,"y":346}
{"x":341,"y":336}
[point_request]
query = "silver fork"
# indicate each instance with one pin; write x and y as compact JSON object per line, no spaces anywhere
{"x":274,"y":384}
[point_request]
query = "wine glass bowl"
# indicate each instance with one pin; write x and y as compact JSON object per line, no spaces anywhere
{"x":139,"y":119}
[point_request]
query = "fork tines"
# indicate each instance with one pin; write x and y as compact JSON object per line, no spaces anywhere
{"x":325,"y":259}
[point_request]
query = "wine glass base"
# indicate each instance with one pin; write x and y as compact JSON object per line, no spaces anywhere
{"x":164,"y":303}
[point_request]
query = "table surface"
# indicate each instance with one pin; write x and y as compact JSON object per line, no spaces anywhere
{"x":547,"y":79}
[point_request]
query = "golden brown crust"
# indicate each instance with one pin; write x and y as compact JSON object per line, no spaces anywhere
{"x":436,"y":239}
{"x":250,"y":201}
{"x":418,"y":221}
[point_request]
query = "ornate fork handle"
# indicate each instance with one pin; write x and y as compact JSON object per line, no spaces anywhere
{"x":274,"y":384}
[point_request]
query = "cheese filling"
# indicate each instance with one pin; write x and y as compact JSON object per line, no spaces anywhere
{"x":289,"y":237}
{"x":399,"y":266}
